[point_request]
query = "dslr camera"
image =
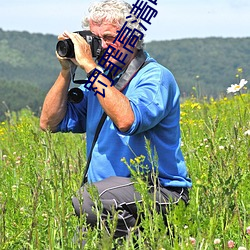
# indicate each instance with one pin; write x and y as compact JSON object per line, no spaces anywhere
{"x":65,"y":48}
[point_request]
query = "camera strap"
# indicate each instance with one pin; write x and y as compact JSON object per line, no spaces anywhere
{"x":136,"y":64}
{"x":97,"y":132}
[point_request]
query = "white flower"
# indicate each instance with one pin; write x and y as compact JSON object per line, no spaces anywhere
{"x":248,"y":230}
{"x":217,"y":241}
{"x":237,"y":87}
{"x":242,"y":248}
{"x":192,"y":240}
{"x":247,"y":133}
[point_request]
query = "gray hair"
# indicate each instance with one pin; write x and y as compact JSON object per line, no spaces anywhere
{"x":112,"y":11}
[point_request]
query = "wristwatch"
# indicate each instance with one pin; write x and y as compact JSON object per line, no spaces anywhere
{"x":95,"y":74}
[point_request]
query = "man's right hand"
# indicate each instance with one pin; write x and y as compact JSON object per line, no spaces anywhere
{"x":66,"y":63}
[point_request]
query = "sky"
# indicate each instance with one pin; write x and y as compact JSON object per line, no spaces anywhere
{"x":176,"y":19}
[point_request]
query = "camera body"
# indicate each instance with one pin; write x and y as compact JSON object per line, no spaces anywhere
{"x":65,"y":48}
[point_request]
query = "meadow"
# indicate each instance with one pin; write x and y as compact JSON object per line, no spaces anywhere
{"x":40,"y":172}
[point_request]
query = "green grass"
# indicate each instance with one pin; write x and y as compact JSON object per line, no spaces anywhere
{"x":40,"y":172}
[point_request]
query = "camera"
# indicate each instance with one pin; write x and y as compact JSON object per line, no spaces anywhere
{"x":65,"y":48}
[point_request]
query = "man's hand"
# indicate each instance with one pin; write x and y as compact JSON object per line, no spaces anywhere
{"x":66,"y":63}
{"x":83,"y":54}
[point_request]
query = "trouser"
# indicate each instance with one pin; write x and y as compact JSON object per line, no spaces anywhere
{"x":119,"y":194}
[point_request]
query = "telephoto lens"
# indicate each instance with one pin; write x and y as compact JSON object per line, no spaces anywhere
{"x":65,"y":48}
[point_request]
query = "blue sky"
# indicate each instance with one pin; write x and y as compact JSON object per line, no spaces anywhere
{"x":176,"y":19}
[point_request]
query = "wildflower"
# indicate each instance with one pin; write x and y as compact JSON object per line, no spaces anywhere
{"x":242,"y":248}
{"x":14,"y":188}
{"x":216,"y":241}
{"x":132,"y":162}
{"x":22,"y":210}
{"x":237,"y":87}
{"x":248,"y":230}
{"x":195,"y":106}
{"x":198,"y":182}
{"x":240,"y":70}
{"x":137,"y":160}
{"x":230,"y":244}
{"x":192,"y":240}
{"x":247,"y":133}
{"x":123,"y":160}
{"x":221,"y":147}
{"x":45,"y":216}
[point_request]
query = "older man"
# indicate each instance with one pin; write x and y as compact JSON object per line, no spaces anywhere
{"x":141,"y":100}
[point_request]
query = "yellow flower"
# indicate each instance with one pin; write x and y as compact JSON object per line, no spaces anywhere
{"x":240,"y":70}
{"x":132,"y":162}
{"x":138,"y":160}
{"x":195,"y":105}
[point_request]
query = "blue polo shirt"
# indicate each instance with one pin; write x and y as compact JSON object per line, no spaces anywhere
{"x":154,"y":97}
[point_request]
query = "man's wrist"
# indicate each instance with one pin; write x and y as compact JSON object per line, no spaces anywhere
{"x":91,"y":71}
{"x":65,"y":73}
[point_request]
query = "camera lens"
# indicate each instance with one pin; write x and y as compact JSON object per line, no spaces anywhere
{"x":75,"y":95}
{"x":65,"y":48}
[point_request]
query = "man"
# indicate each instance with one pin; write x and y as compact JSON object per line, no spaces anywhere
{"x":143,"y":105}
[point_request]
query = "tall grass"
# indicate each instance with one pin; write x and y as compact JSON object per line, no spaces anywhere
{"x":40,"y":172}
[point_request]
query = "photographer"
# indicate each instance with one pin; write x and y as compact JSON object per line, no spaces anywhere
{"x":141,"y":102}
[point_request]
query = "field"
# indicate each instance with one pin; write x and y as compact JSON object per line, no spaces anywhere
{"x":40,"y":172}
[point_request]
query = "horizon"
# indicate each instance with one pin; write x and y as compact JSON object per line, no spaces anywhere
{"x":173,"y":39}
{"x":175,"y":20}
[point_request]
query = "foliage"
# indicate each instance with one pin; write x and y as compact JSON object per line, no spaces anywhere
{"x":40,"y":172}
{"x":204,"y":64}
{"x":28,"y":68}
{"x":14,"y":95}
{"x":208,"y":62}
{"x":28,"y":58}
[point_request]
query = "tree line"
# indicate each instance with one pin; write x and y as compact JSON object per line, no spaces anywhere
{"x":202,"y":67}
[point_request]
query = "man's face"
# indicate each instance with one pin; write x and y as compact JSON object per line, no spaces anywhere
{"x":107,"y":32}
